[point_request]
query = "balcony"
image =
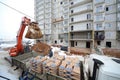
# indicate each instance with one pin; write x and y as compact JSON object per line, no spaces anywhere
{"x":99,"y":2}
{"x":99,"y":28}
{"x":77,"y":3}
{"x":47,"y":1}
{"x":85,"y":10}
{"x":57,"y":19}
{"x":81,"y":36}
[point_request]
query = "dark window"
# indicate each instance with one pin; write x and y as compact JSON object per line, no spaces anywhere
{"x":72,"y":36}
{"x":72,"y":43}
{"x":87,"y":44}
{"x":55,"y":42}
{"x":108,"y":44}
{"x":61,"y":40}
{"x":76,"y":43}
{"x":61,"y":3}
{"x":87,"y":26}
{"x":107,"y":9}
{"x":72,"y":19}
{"x":98,"y":42}
{"x":71,"y":28}
{"x":88,"y":16}
{"x":71,"y":11}
{"x":72,"y":3}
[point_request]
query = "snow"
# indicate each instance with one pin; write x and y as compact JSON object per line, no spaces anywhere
{"x":5,"y":68}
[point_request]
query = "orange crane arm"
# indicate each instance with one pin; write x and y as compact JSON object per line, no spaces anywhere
{"x":19,"y":47}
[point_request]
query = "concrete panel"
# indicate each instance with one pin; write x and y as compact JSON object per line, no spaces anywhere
{"x":110,"y":35}
{"x":108,"y":2}
{"x":113,"y":43}
{"x":110,"y":26}
{"x":82,"y":8}
{"x":81,"y":17}
{"x":110,"y":17}
{"x":111,"y":9}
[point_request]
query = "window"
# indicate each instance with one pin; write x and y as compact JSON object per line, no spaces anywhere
{"x":72,"y":19}
{"x":72,"y":3}
{"x":108,"y":44}
{"x":88,"y":16}
{"x":72,"y":36}
{"x":76,"y":43}
{"x":99,"y":8}
{"x":99,"y":26}
{"x":71,"y":28}
{"x":71,"y":11}
{"x":61,"y":3}
{"x":87,"y":44}
{"x":107,"y":9}
{"x":98,"y":42}
{"x":87,"y":26}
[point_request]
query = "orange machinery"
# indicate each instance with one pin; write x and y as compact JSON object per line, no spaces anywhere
{"x":19,"y":48}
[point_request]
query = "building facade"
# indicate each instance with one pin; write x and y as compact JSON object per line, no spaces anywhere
{"x":79,"y":23}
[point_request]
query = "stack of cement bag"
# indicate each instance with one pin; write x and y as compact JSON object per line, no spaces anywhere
{"x":41,"y":48}
{"x":70,"y":69}
{"x":36,"y":64}
{"x":52,"y":65}
{"x":33,"y":31}
{"x":65,"y":66}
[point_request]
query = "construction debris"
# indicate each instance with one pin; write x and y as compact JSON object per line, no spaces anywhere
{"x":34,"y":31}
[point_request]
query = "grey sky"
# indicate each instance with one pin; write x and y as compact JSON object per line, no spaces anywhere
{"x":10,"y":20}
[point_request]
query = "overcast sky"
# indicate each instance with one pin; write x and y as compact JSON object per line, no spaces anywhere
{"x":10,"y":19}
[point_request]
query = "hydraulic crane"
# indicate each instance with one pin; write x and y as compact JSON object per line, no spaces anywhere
{"x":19,"y":48}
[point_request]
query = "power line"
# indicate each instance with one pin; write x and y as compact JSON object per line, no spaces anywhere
{"x":16,"y":10}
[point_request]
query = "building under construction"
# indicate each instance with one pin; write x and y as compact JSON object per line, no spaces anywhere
{"x":79,"y":23}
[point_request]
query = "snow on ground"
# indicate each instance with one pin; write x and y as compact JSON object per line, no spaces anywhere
{"x":5,"y":68}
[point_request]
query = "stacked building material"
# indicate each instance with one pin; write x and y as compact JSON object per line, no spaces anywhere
{"x":70,"y":68}
{"x":36,"y":64}
{"x":46,"y":65}
{"x":62,"y":69}
{"x":53,"y":67}
{"x":75,"y":75}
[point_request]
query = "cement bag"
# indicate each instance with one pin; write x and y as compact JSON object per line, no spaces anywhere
{"x":34,"y":31}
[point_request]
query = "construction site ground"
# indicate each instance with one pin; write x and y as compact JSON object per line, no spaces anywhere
{"x":5,"y":68}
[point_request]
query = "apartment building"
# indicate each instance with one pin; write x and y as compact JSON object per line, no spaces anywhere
{"x":80,"y":23}
{"x":43,"y":15}
{"x":106,"y":23}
